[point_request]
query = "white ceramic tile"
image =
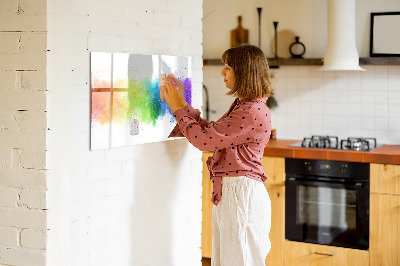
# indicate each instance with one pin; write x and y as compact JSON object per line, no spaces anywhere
{"x":382,"y":136}
{"x":355,"y":132}
{"x":293,"y":120}
{"x":394,"y":83}
{"x":381,"y":71}
{"x":291,"y":133}
{"x":278,"y":83}
{"x":342,"y":109}
{"x":394,"y":123}
{"x":394,"y":110}
{"x":317,"y":120}
{"x":291,"y":71}
{"x":355,"y":109}
{"x":342,"y":122}
{"x":316,"y":82}
{"x":367,"y":110}
{"x":394,"y":97}
{"x":304,"y":72}
{"x":279,"y":72}
{"x":329,"y":121}
{"x":329,"y":131}
{"x":367,"y":83}
{"x":316,"y":72}
{"x":394,"y":137}
{"x":355,"y":122}
{"x":329,"y":109}
{"x":394,"y":71}
{"x":292,"y":83}
{"x":369,"y":70}
{"x":317,"y":108}
{"x":342,"y":81}
{"x":354,"y":75}
{"x":304,"y":109}
{"x":317,"y":131}
{"x":381,"y":84}
{"x":367,"y":133}
{"x":317,"y":95}
{"x":367,"y":122}
{"x":355,"y":96}
{"x":303,"y":82}
{"x":354,"y":83}
{"x":367,"y":96}
{"x":329,"y":95}
{"x":342,"y":133}
{"x":328,"y":74}
{"x":381,"y":123}
{"x":342,"y":96}
{"x":380,"y":97}
{"x":381,"y":110}
{"x":329,"y":83}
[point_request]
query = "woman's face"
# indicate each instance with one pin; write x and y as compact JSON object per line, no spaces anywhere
{"x":229,"y":76}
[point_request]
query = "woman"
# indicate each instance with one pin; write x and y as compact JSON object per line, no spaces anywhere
{"x":242,"y":208}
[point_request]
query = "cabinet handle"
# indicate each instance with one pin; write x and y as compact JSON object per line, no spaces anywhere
{"x":324,"y":254}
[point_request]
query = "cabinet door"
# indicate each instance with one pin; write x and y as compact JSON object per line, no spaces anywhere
{"x":274,"y":168}
{"x":206,"y":232}
{"x":384,"y":230}
{"x":277,"y":233}
{"x":385,"y":178}
{"x":304,"y":254}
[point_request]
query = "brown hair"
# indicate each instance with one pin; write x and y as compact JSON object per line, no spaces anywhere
{"x":250,"y":66}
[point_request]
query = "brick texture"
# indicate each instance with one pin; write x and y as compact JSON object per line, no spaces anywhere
{"x":23,"y":126}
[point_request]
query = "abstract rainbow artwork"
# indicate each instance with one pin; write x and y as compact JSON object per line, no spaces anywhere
{"x":127,"y":107}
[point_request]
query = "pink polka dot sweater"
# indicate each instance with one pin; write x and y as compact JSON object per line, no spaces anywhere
{"x":238,"y":139}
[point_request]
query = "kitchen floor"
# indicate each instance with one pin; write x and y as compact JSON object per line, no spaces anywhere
{"x":206,"y":261}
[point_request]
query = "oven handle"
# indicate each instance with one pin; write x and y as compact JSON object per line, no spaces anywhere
{"x":357,"y":185}
{"x":324,"y":254}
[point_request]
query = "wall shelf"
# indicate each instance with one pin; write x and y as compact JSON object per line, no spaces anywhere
{"x":274,"y":63}
{"x":380,"y":61}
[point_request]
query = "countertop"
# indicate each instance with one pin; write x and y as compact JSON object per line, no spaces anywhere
{"x":389,"y":154}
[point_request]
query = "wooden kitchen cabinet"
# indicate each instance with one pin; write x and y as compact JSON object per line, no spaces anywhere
{"x":305,"y":254}
{"x":277,"y":233}
{"x":206,"y":225}
{"x":385,"y":178}
{"x":385,"y":215}
{"x":384,"y":236}
{"x":274,"y":168}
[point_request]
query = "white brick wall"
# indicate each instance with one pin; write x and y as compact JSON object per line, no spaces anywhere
{"x":23,"y":132}
{"x":138,"y":205}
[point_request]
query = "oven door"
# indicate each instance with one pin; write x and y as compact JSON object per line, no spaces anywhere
{"x":327,"y":213}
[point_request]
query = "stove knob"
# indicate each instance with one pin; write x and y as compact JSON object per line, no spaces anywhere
{"x":308,"y":166}
{"x":343,"y":168}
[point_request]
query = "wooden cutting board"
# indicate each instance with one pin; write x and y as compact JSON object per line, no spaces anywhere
{"x":239,"y":35}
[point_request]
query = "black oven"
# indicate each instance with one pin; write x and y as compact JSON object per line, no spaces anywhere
{"x":327,"y":202}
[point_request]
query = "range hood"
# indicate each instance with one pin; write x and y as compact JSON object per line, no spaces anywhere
{"x":341,"y":51}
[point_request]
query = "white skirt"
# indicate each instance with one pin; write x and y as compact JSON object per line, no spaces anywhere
{"x":241,"y":223}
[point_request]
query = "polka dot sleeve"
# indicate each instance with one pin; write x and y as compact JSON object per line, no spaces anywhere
{"x":193,"y":113}
{"x":232,"y":130}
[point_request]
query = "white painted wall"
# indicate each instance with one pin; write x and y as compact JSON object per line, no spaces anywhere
{"x":138,"y":205}
{"x":23,"y":133}
{"x":311,"y":102}
{"x":306,"y":18}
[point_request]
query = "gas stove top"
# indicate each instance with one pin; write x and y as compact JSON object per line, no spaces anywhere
{"x":332,"y":142}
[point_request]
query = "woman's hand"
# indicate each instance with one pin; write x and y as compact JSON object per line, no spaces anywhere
{"x":173,"y":94}
{"x":181,"y":89}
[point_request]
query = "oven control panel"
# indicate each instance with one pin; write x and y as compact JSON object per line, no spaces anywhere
{"x":337,"y":169}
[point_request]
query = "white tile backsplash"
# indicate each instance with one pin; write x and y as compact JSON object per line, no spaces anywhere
{"x":343,"y":103}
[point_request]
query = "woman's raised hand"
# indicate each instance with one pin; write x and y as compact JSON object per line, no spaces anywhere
{"x":173,"y":91}
{"x":181,"y":89}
